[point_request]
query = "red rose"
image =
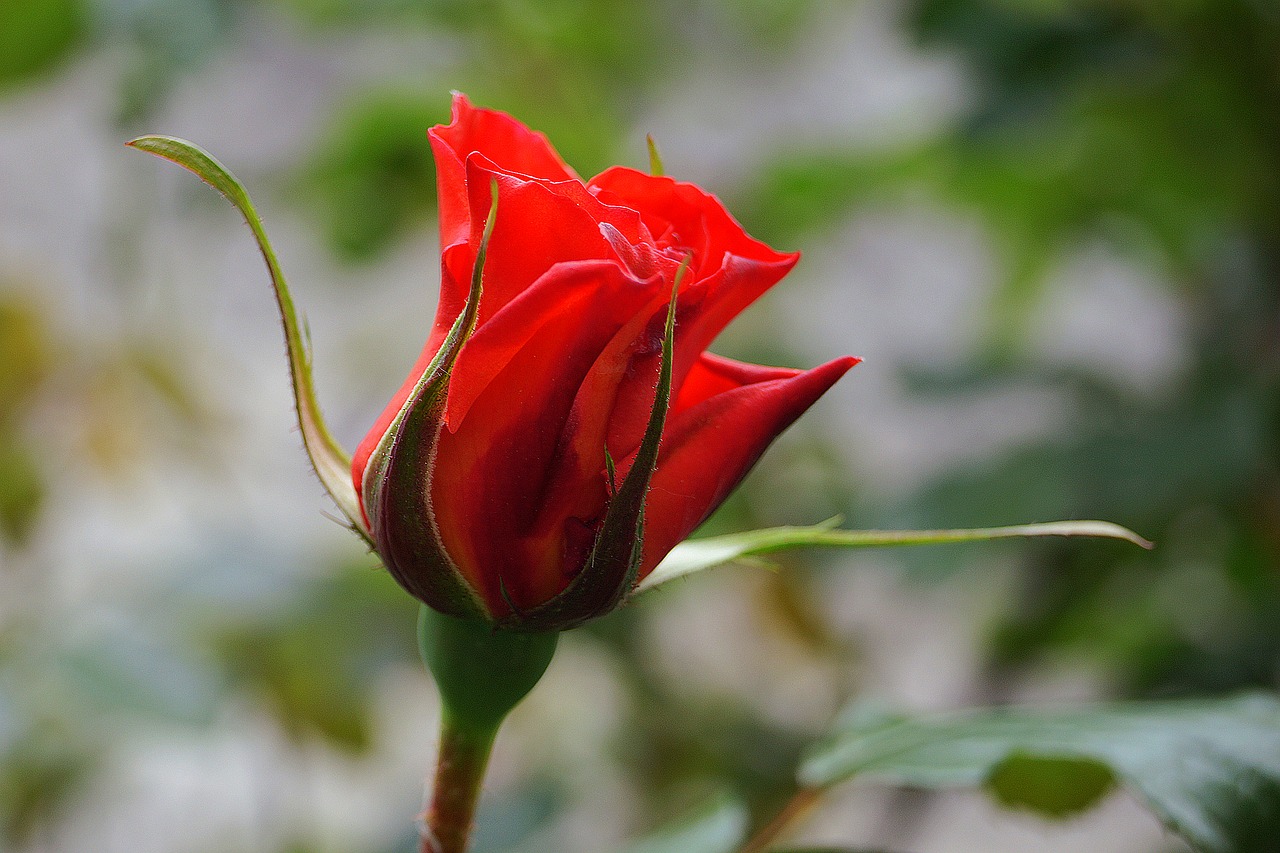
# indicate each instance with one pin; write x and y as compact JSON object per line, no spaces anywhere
{"x":490,"y":489}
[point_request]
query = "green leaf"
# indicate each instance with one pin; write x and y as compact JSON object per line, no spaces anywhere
{"x":720,"y":827}
{"x":1055,"y":786}
{"x":332,"y":464}
{"x":1209,"y":770}
{"x":695,"y":555}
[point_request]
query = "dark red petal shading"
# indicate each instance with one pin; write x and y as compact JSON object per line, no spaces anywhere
{"x":709,"y":447}
{"x":580,"y":457}
{"x":490,"y":475}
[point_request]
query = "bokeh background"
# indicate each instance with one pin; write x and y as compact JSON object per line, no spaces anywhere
{"x":1051,"y":227}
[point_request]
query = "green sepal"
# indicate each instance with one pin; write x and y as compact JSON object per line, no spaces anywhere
{"x":482,"y":671}
{"x":696,"y":555}
{"x":397,"y":480}
{"x":612,"y":569}
{"x":332,"y":464}
{"x":655,"y":158}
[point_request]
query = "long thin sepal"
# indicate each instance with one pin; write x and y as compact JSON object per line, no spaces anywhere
{"x":397,"y":480}
{"x":332,"y":464}
{"x":695,"y":555}
{"x":655,"y":159}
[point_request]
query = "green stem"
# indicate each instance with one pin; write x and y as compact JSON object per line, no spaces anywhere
{"x":800,"y":805}
{"x":482,"y":672}
{"x":460,"y":767}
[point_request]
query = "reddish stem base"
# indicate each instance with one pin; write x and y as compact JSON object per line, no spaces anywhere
{"x":460,"y":767}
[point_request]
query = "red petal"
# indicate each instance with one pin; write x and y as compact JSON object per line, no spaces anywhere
{"x":565,"y":294}
{"x":508,"y":143}
{"x":714,"y":374}
{"x":730,"y":270}
{"x":511,"y":147}
{"x":490,"y":476}
{"x":709,"y":447}
{"x":682,"y":215}
{"x":705,"y":307}
{"x":540,"y":224}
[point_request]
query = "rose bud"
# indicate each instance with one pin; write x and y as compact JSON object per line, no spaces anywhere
{"x":564,"y":427}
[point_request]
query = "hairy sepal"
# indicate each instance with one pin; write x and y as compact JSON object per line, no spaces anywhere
{"x":397,"y":480}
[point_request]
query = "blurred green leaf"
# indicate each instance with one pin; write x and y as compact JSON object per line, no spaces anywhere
{"x":1150,"y":127}
{"x":22,"y":491}
{"x":1054,"y":786}
{"x":315,"y":663}
{"x":36,"y":34}
{"x":373,"y":176}
{"x":1210,"y":770}
{"x":26,"y":354}
{"x":719,"y":827}
{"x":26,"y":358}
{"x":37,"y":778}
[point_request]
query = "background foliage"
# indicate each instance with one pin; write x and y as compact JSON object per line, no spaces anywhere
{"x":1063,"y":215}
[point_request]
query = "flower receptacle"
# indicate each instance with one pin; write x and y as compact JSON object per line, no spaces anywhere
{"x":482,"y":671}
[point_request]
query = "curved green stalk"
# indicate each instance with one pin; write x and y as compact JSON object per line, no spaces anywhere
{"x":332,"y":464}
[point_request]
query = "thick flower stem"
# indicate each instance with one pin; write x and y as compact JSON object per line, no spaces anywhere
{"x":482,"y":673}
{"x":460,"y":767}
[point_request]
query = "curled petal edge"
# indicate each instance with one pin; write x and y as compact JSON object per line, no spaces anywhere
{"x":332,"y":464}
